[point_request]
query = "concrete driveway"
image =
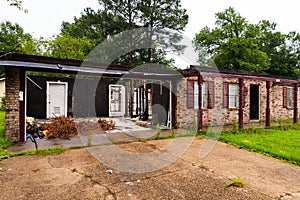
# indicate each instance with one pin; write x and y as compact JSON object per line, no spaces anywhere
{"x":76,"y":174}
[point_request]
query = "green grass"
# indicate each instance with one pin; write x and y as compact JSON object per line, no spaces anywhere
{"x":282,"y":144}
{"x":4,"y":142}
{"x":53,"y":150}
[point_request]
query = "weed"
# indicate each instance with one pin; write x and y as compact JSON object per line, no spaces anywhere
{"x":201,"y":166}
{"x":158,"y":131}
{"x":235,"y":125}
{"x":236,"y":182}
{"x":173,"y":132}
{"x":89,"y":140}
{"x":262,"y":193}
{"x":193,"y":128}
{"x":213,"y":133}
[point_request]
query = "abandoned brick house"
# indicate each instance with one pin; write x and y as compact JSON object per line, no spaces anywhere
{"x":264,"y":98}
{"x":170,"y":98}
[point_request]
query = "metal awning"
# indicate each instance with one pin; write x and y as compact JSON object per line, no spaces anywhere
{"x":85,"y":70}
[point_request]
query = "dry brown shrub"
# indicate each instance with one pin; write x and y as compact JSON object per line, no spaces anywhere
{"x":106,"y":124}
{"x":61,"y":127}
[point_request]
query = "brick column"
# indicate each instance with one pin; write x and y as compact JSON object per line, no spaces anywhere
{"x":12,"y":89}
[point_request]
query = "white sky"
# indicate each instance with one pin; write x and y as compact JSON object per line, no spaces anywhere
{"x":45,"y":16}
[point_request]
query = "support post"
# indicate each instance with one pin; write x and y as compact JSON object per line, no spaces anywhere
{"x":296,"y":85}
{"x":268,"y":109}
{"x":200,"y":111}
{"x":174,"y":105}
{"x":146,"y":113}
{"x":140,"y":101}
{"x":22,"y":103}
{"x":241,"y":102}
{"x":131,"y":99}
{"x":137,"y":101}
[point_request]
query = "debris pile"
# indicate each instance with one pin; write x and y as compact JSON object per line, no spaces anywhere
{"x":106,"y":124}
{"x":65,"y":127}
{"x":33,"y":128}
{"x":61,"y":127}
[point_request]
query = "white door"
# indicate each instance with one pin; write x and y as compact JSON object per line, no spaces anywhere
{"x":116,"y":100}
{"x":57,"y":95}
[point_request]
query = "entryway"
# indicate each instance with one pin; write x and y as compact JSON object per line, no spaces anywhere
{"x":254,"y":102}
{"x":57,"y":95}
{"x":116,"y":100}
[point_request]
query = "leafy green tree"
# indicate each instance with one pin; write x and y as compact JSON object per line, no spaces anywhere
{"x":94,"y":25}
{"x":66,"y":46}
{"x":127,"y":10}
{"x":292,"y":53}
{"x":233,"y":44}
{"x":160,"y":14}
{"x":237,"y":44}
{"x":13,"y":39}
{"x":276,"y":46}
{"x":154,"y":15}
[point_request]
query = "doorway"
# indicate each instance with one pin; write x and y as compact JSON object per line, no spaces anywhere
{"x":57,"y":96}
{"x":116,"y":100}
{"x":254,"y":102}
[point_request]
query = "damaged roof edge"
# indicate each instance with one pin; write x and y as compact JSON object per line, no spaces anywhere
{"x":32,"y":66}
{"x":214,"y":71}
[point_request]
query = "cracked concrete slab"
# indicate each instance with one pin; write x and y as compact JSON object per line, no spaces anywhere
{"x":76,"y":174}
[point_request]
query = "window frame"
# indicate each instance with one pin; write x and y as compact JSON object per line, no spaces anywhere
{"x":204,"y":94}
{"x":289,"y":97}
{"x":233,"y":99}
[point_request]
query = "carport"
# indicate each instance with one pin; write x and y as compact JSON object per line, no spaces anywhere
{"x":17,"y":66}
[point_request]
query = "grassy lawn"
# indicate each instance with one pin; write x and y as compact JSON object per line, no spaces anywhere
{"x":283,"y":144}
{"x":4,"y":143}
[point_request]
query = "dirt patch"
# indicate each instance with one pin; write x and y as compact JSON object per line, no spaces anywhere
{"x":75,"y":174}
{"x":138,"y":147}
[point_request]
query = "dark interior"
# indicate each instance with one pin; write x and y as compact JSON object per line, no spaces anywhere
{"x":254,"y":102}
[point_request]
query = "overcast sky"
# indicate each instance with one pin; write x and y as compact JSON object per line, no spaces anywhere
{"x":45,"y":16}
